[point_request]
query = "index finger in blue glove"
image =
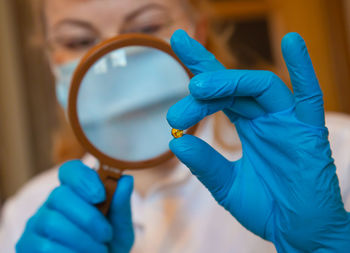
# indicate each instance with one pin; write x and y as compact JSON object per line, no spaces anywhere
{"x":214,"y":91}
{"x":189,"y":111}
{"x":193,"y":54}
{"x":82,"y":180}
{"x":307,"y":91}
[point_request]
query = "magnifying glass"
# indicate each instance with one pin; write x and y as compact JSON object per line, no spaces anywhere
{"x":119,"y":97}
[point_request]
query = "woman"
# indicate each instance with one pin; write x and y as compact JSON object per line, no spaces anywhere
{"x":171,"y":210}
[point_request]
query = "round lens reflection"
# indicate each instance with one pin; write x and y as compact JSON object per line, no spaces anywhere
{"x":123,"y":101}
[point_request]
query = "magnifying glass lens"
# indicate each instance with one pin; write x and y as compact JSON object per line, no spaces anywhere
{"x":123,"y":100}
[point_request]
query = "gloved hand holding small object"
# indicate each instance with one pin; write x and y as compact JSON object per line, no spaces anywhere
{"x":284,"y":188}
{"x":69,"y":221}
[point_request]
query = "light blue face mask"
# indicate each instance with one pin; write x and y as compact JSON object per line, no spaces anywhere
{"x":64,"y":74}
{"x":123,"y":101}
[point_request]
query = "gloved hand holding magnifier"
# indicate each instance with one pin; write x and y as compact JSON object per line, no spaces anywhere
{"x":119,"y":97}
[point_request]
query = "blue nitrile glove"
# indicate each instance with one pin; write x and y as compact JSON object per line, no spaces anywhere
{"x":68,"y":222}
{"x":284,"y":188}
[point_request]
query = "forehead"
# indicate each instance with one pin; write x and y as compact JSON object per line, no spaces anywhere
{"x":103,"y":9}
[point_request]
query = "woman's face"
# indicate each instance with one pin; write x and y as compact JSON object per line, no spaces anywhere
{"x":74,"y":26}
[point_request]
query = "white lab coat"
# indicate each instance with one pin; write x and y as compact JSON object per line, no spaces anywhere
{"x":178,"y":214}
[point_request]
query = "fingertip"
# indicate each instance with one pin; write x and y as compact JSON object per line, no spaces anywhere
{"x":123,"y":193}
{"x":175,"y":115}
{"x":82,"y":180}
{"x":177,"y":36}
{"x":94,"y":188}
{"x":178,"y":40}
{"x":190,"y":111}
{"x":292,"y":37}
{"x":67,"y":167}
{"x":126,"y":184}
{"x":193,"y":54}
{"x":293,"y":45}
{"x":172,"y":117}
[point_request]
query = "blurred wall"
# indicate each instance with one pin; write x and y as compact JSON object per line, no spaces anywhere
{"x":15,"y":154}
{"x":27,"y":111}
{"x":346,"y":12}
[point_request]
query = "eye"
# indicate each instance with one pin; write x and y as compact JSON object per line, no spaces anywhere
{"x":79,"y":43}
{"x":151,"y":29}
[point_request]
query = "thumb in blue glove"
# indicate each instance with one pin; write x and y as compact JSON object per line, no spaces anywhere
{"x":284,"y":188}
{"x":120,"y":217}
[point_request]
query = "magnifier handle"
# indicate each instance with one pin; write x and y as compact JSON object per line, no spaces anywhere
{"x":110,"y":180}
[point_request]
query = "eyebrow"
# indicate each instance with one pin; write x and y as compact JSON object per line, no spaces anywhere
{"x":128,"y":18}
{"x":143,"y":9}
{"x":75,"y":22}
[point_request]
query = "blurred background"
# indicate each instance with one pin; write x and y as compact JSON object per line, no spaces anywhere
{"x":251,"y":29}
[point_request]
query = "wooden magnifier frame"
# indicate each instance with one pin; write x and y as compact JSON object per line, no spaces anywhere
{"x":111,"y":169}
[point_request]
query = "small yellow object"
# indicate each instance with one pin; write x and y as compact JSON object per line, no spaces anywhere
{"x":177,"y":133}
